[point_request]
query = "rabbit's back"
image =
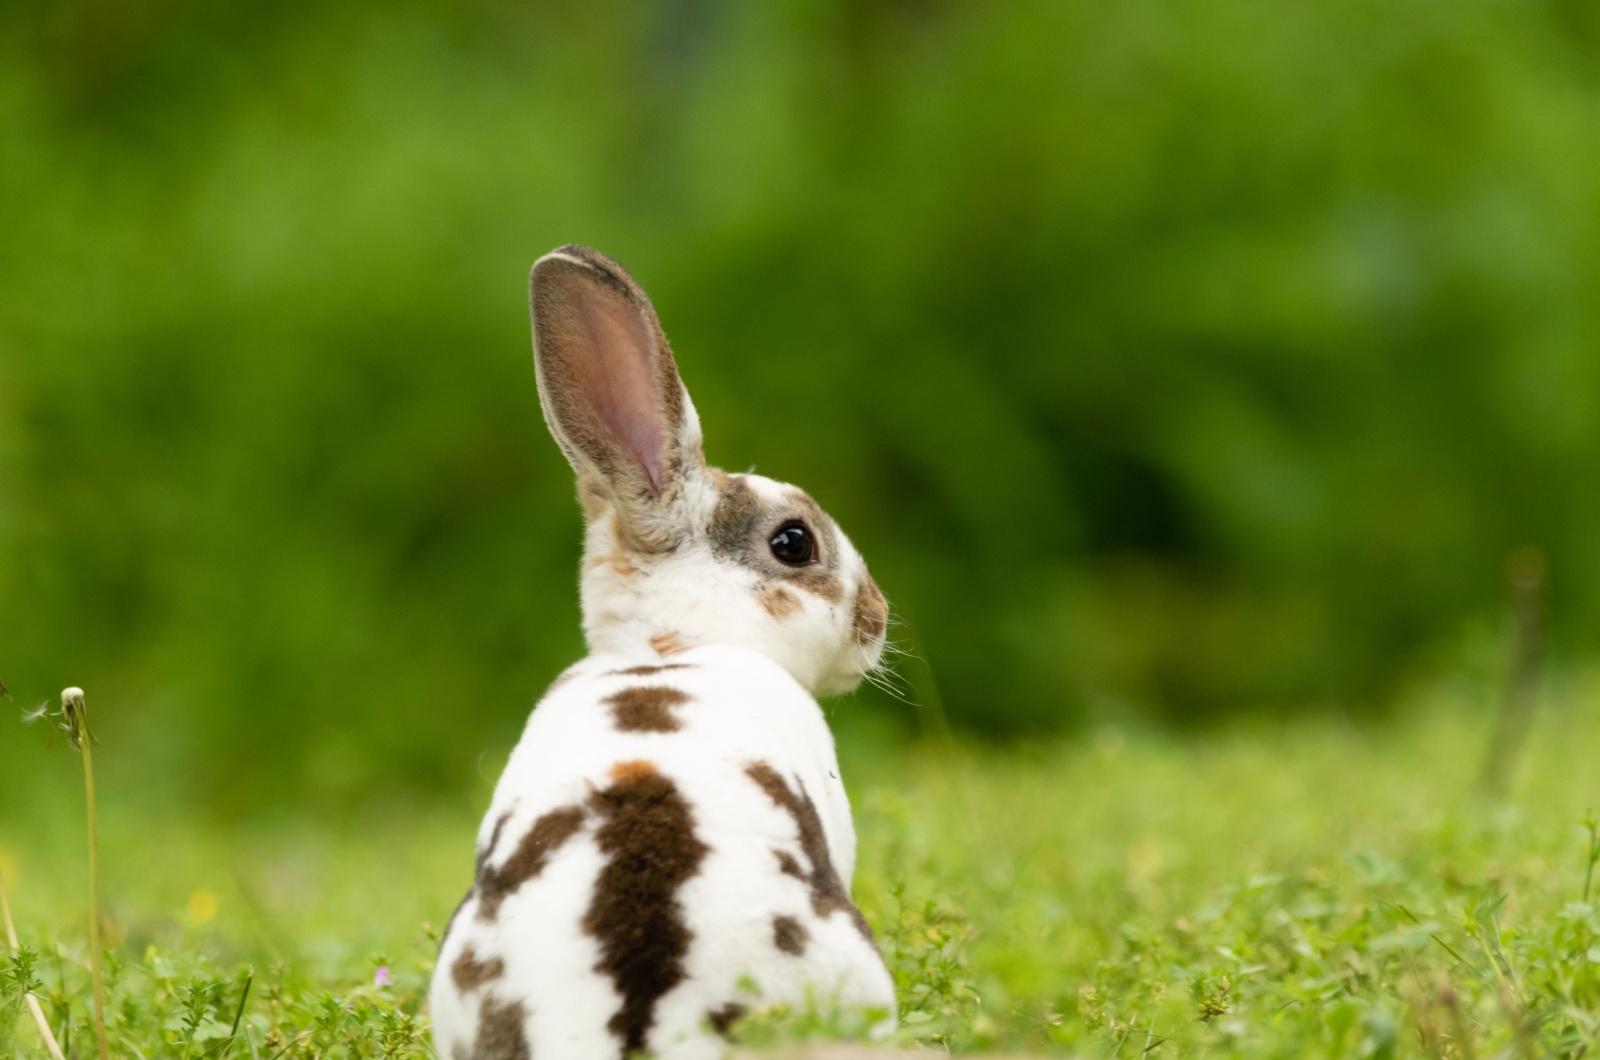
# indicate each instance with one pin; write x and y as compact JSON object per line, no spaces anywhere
{"x":670,"y":844}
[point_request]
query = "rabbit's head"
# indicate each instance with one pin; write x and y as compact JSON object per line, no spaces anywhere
{"x":678,"y":554}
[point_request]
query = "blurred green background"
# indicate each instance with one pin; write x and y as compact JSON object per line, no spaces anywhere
{"x":1168,"y":361}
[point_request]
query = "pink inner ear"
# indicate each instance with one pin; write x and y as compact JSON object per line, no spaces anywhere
{"x":618,"y":380}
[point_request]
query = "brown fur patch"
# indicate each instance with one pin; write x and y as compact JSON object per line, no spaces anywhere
{"x":533,"y":853}
{"x":668,"y":643}
{"x":617,"y":561}
{"x":819,"y":581}
{"x":789,"y":935}
{"x":647,"y":833}
{"x":871,"y":615}
{"x":469,"y":973}
{"x":646,"y":708}
{"x":828,"y":894}
{"x":487,"y":850}
{"x":502,"y":1031}
{"x":721,"y":1019}
{"x":778,"y":601}
{"x":737,"y":518}
{"x":480,"y":866}
{"x":648,"y":671}
{"x":789,"y":865}
{"x":630,"y":772}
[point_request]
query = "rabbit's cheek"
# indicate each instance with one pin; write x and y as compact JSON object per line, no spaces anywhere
{"x":777,"y":601}
{"x":819,"y":581}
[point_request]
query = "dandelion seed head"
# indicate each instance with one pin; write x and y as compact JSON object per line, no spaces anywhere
{"x":74,"y":718}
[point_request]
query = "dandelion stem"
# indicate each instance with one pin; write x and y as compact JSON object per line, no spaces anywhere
{"x":94,"y":905}
{"x":78,"y":726}
{"x":33,"y":1002}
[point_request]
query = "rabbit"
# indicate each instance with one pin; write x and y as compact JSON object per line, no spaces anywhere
{"x":670,"y":844}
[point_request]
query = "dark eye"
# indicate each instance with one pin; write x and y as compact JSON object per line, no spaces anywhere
{"x":793,"y":544}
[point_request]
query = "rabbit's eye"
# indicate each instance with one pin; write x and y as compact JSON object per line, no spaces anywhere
{"x":792,"y":544}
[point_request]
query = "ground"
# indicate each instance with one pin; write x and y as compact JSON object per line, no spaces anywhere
{"x":1317,"y":887}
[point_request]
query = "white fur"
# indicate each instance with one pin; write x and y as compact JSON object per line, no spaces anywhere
{"x":749,"y":677}
{"x":701,"y":601}
{"x":743,"y":709}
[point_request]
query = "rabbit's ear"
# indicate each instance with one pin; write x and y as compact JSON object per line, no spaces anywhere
{"x":610,"y":389}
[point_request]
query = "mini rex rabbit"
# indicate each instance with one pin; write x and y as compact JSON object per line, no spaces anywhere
{"x":670,"y":843}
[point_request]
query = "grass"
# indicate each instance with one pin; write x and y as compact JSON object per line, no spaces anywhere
{"x":1311,"y":888}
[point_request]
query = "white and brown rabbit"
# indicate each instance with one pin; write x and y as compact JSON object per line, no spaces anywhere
{"x":670,"y":843}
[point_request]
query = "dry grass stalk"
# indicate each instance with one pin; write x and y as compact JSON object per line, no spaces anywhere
{"x":33,"y":1002}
